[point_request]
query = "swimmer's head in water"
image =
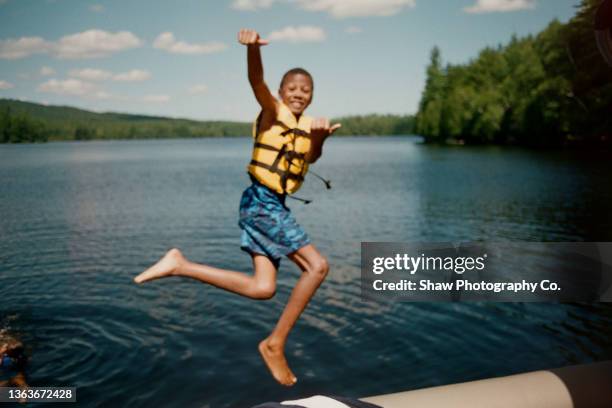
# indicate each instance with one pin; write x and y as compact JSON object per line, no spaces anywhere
{"x":296,"y":89}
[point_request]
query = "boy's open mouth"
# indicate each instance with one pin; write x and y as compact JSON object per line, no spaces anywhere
{"x":297,"y":104}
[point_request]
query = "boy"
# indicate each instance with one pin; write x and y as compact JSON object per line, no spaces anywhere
{"x":286,"y":141}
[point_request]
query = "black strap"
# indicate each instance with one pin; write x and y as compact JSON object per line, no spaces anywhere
{"x":296,"y":131}
{"x":304,"y":200}
{"x":292,"y":154}
{"x":266,"y":146}
{"x":327,"y":182}
{"x":277,"y":170}
{"x":278,"y":158}
{"x":289,"y":156}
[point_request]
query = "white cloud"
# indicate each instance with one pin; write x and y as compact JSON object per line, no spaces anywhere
{"x":6,"y":85}
{"x":156,"y":98}
{"x":101,"y":95}
{"x":46,"y":71}
{"x":336,"y":8}
{"x":298,"y":34}
{"x":166,"y":41}
{"x":353,"y":30}
{"x":87,"y":44}
{"x":250,"y":5}
{"x":96,"y":8}
{"x":492,"y":6}
{"x":132,"y":76}
{"x":356,"y":8}
{"x":91,"y":74}
{"x":22,"y":47}
{"x":198,"y":89}
{"x":95,"y":44}
{"x":94,"y":74}
{"x":73,"y":87}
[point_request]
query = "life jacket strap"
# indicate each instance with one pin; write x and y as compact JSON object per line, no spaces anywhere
{"x":289,"y":155}
{"x":266,"y":146}
{"x":304,"y":200}
{"x":325,"y":181}
{"x":296,"y":131}
{"x":276,"y":162}
{"x":276,"y":170}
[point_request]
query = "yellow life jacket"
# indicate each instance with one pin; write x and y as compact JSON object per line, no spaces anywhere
{"x":279,"y":153}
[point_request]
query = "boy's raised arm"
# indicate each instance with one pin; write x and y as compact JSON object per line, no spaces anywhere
{"x":251,"y":39}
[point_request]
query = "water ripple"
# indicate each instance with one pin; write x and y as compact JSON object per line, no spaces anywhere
{"x":93,"y":215}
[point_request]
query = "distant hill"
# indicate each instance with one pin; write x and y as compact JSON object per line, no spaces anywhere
{"x":68,"y":123}
{"x":31,"y":122}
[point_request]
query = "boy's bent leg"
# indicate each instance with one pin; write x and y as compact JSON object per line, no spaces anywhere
{"x":260,"y":286}
{"x":314,"y":269}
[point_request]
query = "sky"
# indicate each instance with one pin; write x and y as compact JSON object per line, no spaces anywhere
{"x":182,"y":59}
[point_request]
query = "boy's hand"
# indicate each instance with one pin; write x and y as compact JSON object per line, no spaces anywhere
{"x":320,"y":128}
{"x":250,"y":37}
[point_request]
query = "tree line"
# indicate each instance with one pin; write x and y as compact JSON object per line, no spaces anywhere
{"x":550,"y":89}
{"x":20,"y":128}
{"x":375,"y":125}
{"x":29,"y":122}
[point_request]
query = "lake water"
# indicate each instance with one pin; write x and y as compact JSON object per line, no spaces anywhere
{"x":79,"y":220}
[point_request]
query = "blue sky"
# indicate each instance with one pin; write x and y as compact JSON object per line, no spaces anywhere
{"x":182,"y":59}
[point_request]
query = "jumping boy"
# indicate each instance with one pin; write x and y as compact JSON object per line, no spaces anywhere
{"x":286,"y":142}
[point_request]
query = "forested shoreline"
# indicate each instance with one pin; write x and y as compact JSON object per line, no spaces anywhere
{"x":31,"y":122}
{"x":547,"y":90}
{"x":551,"y":89}
{"x":26,"y":122}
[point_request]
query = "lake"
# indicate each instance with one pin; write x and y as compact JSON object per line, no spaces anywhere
{"x":79,"y":220}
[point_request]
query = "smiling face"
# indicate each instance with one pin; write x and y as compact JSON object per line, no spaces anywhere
{"x":296,"y":92}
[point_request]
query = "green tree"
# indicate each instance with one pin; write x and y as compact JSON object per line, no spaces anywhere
{"x":430,"y":108}
{"x":547,"y":90}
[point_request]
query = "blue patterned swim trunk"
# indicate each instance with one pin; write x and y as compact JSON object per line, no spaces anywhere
{"x":268,"y":227}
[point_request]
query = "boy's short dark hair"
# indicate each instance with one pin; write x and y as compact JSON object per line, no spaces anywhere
{"x":296,"y":71}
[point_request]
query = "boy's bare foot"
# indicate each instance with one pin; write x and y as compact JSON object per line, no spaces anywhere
{"x":274,"y":358}
{"x":166,"y":266}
